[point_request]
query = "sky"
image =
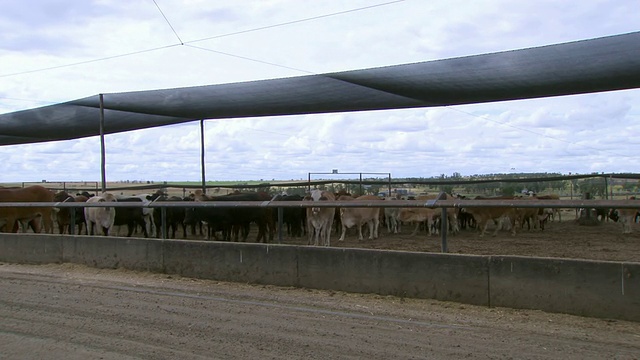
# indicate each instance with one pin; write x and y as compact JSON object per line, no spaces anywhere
{"x":53,"y":51}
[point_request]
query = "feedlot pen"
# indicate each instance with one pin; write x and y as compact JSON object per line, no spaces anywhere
{"x":566,"y":239}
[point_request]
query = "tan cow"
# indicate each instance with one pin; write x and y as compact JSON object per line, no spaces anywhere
{"x":36,"y":193}
{"x":103,"y":217}
{"x":418,"y":216}
{"x":483,"y":215}
{"x":320,"y":219}
{"x":430,"y":215}
{"x":350,"y":217}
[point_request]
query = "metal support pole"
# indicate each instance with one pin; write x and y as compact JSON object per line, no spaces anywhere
{"x":389,"y":193}
{"x":72,"y":223}
{"x":611,"y":187}
{"x":361,"y":193}
{"x":102,"y":152}
{"x":280,"y":219}
{"x":204,"y":184}
{"x":163,"y":222}
{"x":444,"y":227}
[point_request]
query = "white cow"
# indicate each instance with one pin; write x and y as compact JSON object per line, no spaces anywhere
{"x":100,"y":216}
{"x":320,"y":219}
{"x":627,"y":217}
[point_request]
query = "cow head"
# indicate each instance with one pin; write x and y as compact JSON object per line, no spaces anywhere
{"x":107,"y":197}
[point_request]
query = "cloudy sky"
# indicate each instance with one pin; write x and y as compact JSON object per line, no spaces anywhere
{"x":53,"y":51}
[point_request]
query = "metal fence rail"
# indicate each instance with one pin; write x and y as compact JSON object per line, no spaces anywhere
{"x":617,"y":204}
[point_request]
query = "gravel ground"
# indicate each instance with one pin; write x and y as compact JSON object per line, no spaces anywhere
{"x":76,"y":312}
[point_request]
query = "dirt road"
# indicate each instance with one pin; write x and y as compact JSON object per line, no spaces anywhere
{"x":75,"y":312}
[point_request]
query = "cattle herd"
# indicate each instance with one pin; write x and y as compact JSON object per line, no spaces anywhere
{"x":316,"y":221}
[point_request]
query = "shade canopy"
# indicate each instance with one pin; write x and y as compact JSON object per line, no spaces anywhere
{"x":594,"y":65}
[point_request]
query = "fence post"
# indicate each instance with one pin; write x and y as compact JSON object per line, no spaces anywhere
{"x":163,"y":222}
{"x":280,"y":219}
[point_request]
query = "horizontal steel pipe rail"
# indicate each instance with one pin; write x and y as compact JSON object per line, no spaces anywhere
{"x":618,"y":204}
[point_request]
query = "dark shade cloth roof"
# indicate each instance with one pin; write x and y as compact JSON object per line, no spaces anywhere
{"x":594,"y":65}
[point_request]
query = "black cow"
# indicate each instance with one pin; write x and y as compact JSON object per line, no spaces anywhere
{"x":86,"y":194}
{"x":130,"y":216}
{"x":232,"y":220}
{"x":294,"y":218}
{"x":174,"y":216}
{"x":191,"y":218}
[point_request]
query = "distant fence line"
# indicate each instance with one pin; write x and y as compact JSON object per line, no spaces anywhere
{"x":306,"y":183}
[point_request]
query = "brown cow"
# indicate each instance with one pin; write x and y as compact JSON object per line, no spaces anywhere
{"x":35,"y":193}
{"x":63,"y":215}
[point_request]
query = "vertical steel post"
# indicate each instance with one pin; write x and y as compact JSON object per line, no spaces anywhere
{"x":102,"y":152}
{"x":163,"y":222}
{"x":72,"y":223}
{"x":443,"y":228}
{"x":204,"y":184}
{"x":280,"y":219}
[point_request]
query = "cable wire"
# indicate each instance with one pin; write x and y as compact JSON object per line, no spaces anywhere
{"x":168,"y":22}
{"x":249,"y":59}
{"x":294,"y":21}
{"x":88,"y":61}
{"x":199,"y":40}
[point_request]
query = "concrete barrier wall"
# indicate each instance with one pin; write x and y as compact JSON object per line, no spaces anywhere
{"x":446,"y":277}
{"x":586,"y":288}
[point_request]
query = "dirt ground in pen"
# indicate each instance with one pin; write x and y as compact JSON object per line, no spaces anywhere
{"x":566,"y":239}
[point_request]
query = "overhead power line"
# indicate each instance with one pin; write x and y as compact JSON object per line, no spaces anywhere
{"x":89,"y":61}
{"x":249,"y":59}
{"x":294,"y":22}
{"x":168,"y":22}
{"x":200,"y":40}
